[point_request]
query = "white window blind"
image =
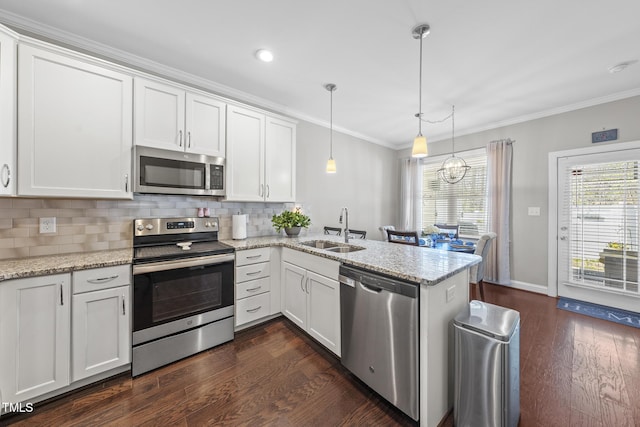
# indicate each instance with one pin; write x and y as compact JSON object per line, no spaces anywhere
{"x":601,"y":203}
{"x":463,"y":203}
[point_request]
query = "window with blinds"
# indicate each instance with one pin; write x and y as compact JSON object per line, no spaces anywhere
{"x":602,"y":204}
{"x":463,"y":203}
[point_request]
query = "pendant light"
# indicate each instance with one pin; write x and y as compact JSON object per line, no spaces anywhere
{"x":331,"y":164}
{"x":420,"y":142}
{"x":453,"y":168}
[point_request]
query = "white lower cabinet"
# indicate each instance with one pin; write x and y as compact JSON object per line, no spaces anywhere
{"x":35,"y":336}
{"x":253,"y":285}
{"x":311,"y":296}
{"x":101,"y":319}
{"x":50,"y":339}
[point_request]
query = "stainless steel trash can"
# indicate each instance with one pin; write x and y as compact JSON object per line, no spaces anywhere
{"x":487,"y":366}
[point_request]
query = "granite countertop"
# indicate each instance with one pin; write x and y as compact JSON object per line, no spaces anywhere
{"x":56,"y":264}
{"x":412,"y":263}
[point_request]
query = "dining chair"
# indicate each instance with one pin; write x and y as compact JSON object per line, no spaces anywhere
{"x":403,"y":237}
{"x":332,"y":230}
{"x":361,"y":234}
{"x":445,"y":228}
{"x":476,"y":273}
{"x":383,"y":230}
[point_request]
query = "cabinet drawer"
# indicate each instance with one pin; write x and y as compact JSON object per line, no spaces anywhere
{"x":253,"y":287}
{"x":252,"y":272}
{"x":253,"y":308}
{"x":101,"y":278}
{"x":252,"y":256}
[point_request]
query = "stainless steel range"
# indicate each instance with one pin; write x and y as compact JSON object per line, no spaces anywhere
{"x":183,"y":290}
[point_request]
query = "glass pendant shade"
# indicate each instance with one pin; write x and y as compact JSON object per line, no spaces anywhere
{"x":419,"y":147}
{"x":331,"y":166}
{"x":453,"y":169}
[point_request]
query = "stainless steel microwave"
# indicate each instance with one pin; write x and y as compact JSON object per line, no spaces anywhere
{"x":172,"y":172}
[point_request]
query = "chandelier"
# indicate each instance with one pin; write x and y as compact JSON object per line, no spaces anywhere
{"x":453,"y":168}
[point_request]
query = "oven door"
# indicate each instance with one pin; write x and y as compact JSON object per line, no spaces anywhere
{"x":172,"y":296}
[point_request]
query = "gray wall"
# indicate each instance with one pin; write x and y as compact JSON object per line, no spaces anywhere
{"x":366,"y":181}
{"x":534,"y":140}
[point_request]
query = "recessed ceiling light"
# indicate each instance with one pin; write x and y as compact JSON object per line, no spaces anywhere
{"x":621,"y":66}
{"x":264,"y":55}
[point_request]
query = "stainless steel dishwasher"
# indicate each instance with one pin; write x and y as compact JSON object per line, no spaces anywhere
{"x":379,"y":320}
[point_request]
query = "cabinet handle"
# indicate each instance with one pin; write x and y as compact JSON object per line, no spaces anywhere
{"x":123,"y":306}
{"x":103,"y":279}
{"x":254,"y":289}
{"x":189,"y":139}
{"x":61,"y":295}
{"x":126,"y":183}
{"x":6,"y":175}
{"x":253,"y":310}
{"x":180,"y":133}
{"x":261,"y":190}
{"x":302,"y":284}
{"x":254,"y":256}
{"x":268,"y":192}
{"x":306,"y":286}
{"x":253,"y":273}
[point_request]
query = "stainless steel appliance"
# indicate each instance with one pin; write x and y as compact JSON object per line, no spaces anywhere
{"x":379,"y":319}
{"x":183,"y":290}
{"x":487,"y":366}
{"x":173,"y":172}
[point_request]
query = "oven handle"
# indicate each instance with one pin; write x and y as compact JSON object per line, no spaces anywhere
{"x":182,"y":263}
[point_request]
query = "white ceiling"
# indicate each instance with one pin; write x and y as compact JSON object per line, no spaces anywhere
{"x":497,"y":61}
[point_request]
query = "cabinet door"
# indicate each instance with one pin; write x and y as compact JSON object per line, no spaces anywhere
{"x":294,"y":298}
{"x":245,"y":155}
{"x":280,"y":160}
{"x":35,"y":336}
{"x":7,"y":114}
{"x":324,"y":311}
{"x":159,"y":115}
{"x":101,"y":332}
{"x":74,"y":127}
{"x":206,"y":125}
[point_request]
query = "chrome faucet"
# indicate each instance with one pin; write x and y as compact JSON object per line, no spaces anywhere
{"x":345,"y":211}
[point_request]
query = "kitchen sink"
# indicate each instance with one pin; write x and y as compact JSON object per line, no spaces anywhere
{"x":320,"y":244}
{"x":345,"y":249}
{"x":332,"y":246}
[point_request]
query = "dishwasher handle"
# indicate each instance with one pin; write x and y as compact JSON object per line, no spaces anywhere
{"x":373,"y":282}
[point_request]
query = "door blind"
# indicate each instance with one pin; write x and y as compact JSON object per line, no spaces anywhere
{"x":600,"y":203}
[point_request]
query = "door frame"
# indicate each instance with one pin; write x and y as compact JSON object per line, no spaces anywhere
{"x":552,"y":233}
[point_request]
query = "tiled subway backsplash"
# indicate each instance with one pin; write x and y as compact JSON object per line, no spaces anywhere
{"x":92,"y":225}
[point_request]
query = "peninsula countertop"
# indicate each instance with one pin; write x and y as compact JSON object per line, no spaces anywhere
{"x":412,"y":263}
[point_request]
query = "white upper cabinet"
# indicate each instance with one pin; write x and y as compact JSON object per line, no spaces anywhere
{"x":171,"y":118}
{"x":261,"y":155}
{"x":74,"y":126}
{"x":7,"y":113}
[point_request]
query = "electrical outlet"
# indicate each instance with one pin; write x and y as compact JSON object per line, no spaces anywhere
{"x":534,"y":211}
{"x":48,"y":225}
{"x":451,"y":293}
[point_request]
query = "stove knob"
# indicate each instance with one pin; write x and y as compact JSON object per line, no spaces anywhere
{"x":149,"y":227}
{"x":207,"y":224}
{"x":140,"y":227}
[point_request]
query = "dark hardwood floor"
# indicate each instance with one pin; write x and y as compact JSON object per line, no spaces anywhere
{"x":575,"y":371}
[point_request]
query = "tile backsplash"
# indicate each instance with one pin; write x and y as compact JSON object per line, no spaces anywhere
{"x":91,"y":225}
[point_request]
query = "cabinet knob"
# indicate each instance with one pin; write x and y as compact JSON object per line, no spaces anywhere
{"x":6,"y":175}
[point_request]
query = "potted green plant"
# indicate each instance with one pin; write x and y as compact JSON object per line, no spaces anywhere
{"x":291,"y":222}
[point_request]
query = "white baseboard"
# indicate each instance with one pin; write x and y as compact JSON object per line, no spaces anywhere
{"x":531,"y":287}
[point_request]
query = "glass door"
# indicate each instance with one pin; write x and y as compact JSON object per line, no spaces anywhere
{"x":598,"y":232}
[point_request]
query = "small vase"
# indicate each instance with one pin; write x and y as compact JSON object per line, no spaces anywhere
{"x":292,"y":231}
{"x":434,"y":240}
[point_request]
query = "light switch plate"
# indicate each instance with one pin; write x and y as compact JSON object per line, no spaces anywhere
{"x":534,"y":211}
{"x":48,"y":225}
{"x":451,"y":293}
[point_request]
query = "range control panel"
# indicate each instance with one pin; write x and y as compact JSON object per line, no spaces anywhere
{"x":160,"y":226}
